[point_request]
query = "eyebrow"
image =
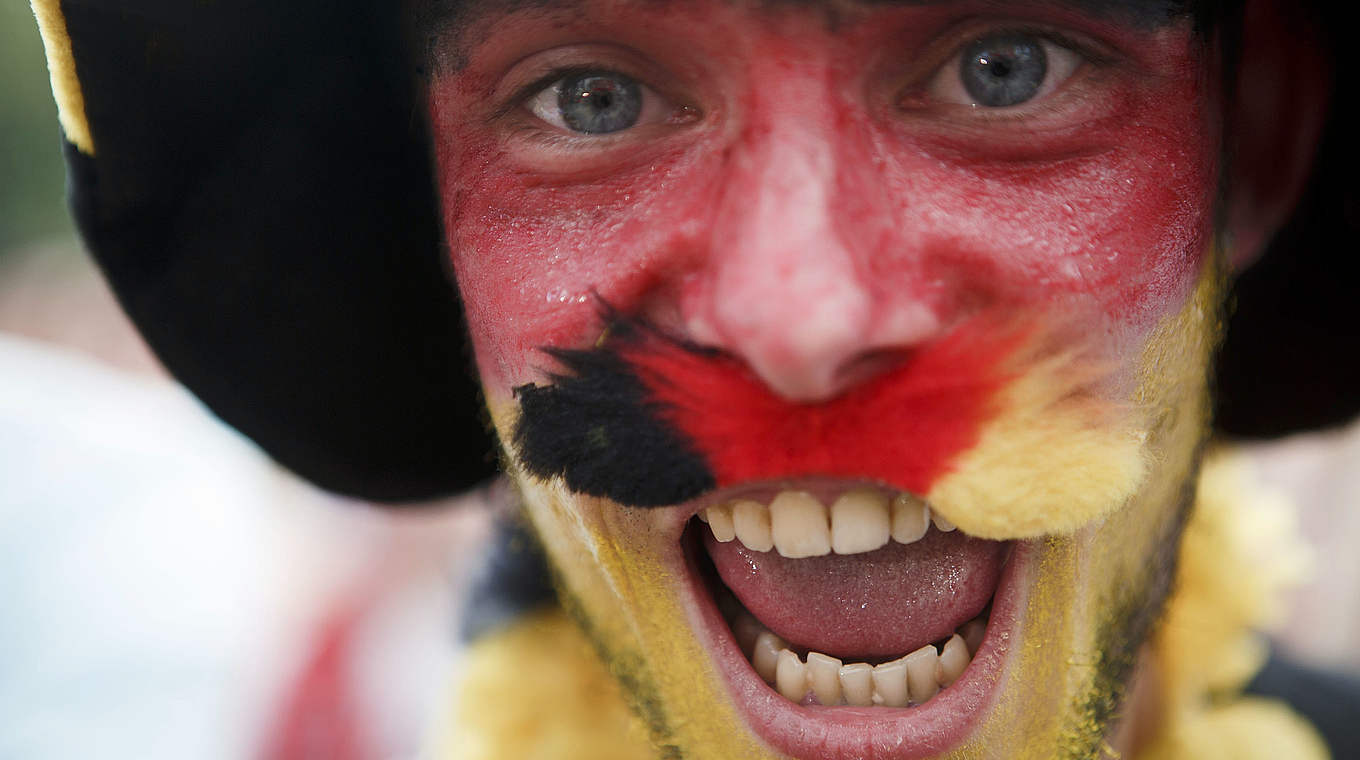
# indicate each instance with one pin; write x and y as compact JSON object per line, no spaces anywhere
{"x":1143,"y":13}
{"x":1140,"y":13}
{"x":1152,"y":12}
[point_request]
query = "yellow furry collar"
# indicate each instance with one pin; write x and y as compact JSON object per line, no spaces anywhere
{"x":1241,"y":550}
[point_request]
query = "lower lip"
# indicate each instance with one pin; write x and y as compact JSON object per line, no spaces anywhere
{"x":863,"y":733}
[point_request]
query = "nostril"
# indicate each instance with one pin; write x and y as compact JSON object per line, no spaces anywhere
{"x":868,"y":365}
{"x":819,"y":383}
{"x":812,"y":349}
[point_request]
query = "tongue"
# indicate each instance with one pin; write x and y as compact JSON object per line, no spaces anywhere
{"x":879,"y":604}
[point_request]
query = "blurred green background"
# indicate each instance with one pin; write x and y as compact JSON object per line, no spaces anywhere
{"x":32,"y":183}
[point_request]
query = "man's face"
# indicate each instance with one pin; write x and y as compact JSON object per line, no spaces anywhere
{"x":815,"y":267}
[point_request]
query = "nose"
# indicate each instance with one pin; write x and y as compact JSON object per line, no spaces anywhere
{"x":787,"y":285}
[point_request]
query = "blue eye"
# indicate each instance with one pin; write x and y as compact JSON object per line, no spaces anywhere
{"x":599,"y":103}
{"x":1004,"y":70}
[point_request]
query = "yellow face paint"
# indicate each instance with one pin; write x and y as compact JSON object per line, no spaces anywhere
{"x":618,"y":571}
{"x":1051,"y":461}
{"x":1102,"y":558}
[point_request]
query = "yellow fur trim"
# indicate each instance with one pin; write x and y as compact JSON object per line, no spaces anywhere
{"x":565,"y":705}
{"x":1058,"y":457}
{"x":1246,"y":729}
{"x":1241,"y":550}
{"x":61,"y":63}
{"x":1054,"y":460}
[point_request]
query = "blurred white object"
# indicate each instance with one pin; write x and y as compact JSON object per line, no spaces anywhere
{"x":161,"y":581}
{"x":1321,"y":473}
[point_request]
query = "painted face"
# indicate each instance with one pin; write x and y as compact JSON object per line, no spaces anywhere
{"x":851,"y":359}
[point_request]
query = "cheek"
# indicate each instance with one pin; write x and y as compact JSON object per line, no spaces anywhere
{"x":536,"y":259}
{"x":1116,"y":228}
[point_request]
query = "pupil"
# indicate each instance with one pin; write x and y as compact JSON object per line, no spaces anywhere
{"x":599,"y":102}
{"x":1004,"y":69}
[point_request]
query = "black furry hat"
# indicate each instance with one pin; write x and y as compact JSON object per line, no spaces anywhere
{"x":256,"y":185}
{"x":254,"y":179}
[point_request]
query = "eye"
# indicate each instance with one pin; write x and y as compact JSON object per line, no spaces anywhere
{"x":598,"y":102}
{"x":1005,"y":69}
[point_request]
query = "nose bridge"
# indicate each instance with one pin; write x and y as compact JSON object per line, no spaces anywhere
{"x":777,"y":205}
{"x":785,"y":289}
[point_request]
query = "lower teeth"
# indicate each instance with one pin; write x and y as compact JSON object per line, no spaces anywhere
{"x":909,"y":680}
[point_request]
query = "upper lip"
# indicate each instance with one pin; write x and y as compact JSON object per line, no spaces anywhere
{"x":834,"y":733}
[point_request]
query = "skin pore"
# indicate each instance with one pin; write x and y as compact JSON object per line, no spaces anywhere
{"x":818,"y":200}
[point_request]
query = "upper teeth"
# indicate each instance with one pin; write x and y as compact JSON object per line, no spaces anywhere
{"x":796,"y":524}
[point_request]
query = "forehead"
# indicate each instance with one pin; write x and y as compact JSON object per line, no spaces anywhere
{"x":451,"y":29}
{"x":1140,"y":13}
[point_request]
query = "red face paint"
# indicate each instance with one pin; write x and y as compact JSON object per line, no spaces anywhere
{"x":645,"y":420}
{"x":815,"y":209}
{"x":865,"y":253}
{"x":901,"y":428}
{"x":813,"y":215}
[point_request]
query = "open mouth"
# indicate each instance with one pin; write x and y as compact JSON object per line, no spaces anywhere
{"x":848,"y":620}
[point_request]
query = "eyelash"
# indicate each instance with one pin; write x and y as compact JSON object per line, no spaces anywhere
{"x":523,"y":94}
{"x":1089,"y":56}
{"x":518,"y":110}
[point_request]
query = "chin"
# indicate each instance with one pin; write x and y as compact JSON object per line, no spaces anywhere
{"x":838,"y":615}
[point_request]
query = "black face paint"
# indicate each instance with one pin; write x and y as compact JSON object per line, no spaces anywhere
{"x":598,"y":428}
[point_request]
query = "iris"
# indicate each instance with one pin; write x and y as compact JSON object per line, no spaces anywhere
{"x":598,"y":103}
{"x":1004,"y":70}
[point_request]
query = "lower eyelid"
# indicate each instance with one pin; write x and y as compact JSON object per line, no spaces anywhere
{"x":534,"y":132}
